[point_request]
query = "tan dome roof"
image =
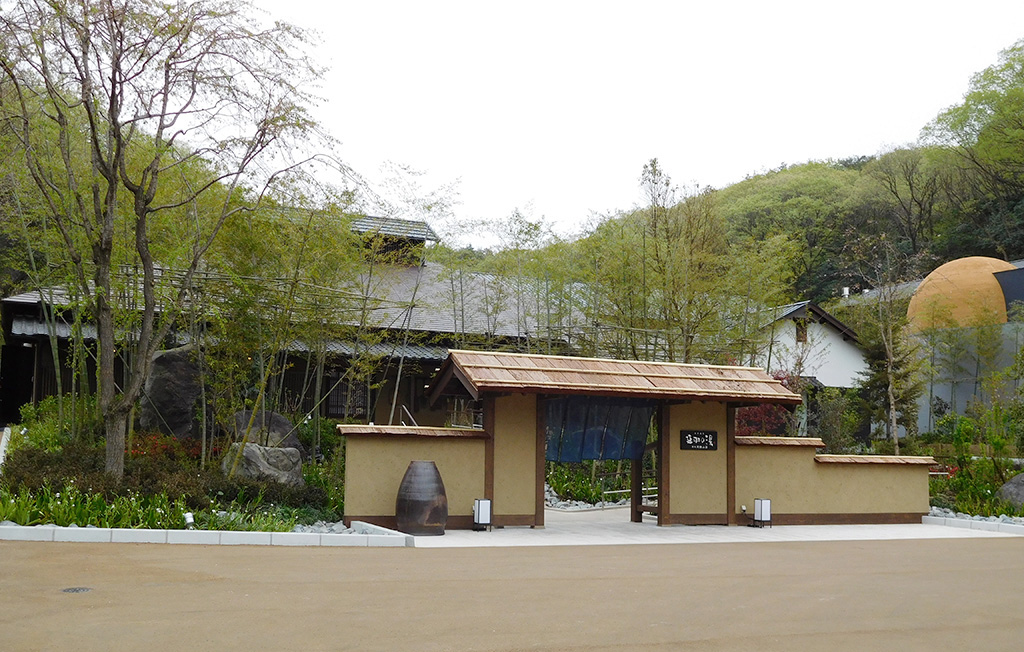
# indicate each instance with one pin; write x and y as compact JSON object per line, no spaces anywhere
{"x":962,"y":292}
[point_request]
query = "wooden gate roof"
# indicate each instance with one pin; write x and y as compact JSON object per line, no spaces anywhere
{"x":474,"y":373}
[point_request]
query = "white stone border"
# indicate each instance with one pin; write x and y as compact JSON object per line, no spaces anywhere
{"x":970,"y":524}
{"x":379,"y":537}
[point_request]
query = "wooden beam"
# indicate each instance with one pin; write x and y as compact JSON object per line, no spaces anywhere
{"x":489,"y":406}
{"x":636,"y":490}
{"x":664,"y":452}
{"x":730,"y":463}
{"x":540,"y":460}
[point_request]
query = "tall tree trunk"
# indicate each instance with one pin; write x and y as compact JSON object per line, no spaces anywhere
{"x":115,"y":426}
{"x":891,"y":389}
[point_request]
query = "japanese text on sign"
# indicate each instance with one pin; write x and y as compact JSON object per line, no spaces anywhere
{"x":698,"y":440}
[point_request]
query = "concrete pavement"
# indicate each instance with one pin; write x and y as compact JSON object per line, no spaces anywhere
{"x":612,"y":527}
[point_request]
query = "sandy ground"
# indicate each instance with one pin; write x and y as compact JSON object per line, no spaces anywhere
{"x":942,"y":594}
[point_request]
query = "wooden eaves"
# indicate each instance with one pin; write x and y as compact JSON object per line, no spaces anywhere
{"x":474,"y":373}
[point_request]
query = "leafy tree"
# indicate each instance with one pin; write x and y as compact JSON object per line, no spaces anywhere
{"x":664,"y":282}
{"x":144,"y":126}
{"x":893,"y":381}
{"x":987,"y":128}
{"x":834,"y":418}
{"x":892,"y":384}
{"x":809,"y":205}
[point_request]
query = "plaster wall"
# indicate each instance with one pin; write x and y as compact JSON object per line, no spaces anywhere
{"x":515,"y":454}
{"x":697,"y":479}
{"x":375,"y":466}
{"x":796,"y":484}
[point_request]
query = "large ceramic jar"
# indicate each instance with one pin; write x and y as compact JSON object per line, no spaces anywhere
{"x":422,"y":505}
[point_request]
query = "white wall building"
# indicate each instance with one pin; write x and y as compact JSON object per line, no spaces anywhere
{"x":811,"y":343}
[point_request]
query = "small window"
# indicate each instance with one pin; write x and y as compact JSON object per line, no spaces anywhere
{"x":801,"y":330}
{"x":346,"y":400}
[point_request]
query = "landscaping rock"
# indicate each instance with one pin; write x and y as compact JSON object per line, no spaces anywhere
{"x":269,"y":429}
{"x":282,"y":465}
{"x":170,"y":402}
{"x":1013,"y":491}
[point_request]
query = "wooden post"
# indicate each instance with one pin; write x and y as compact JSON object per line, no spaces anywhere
{"x":542,"y":440}
{"x":730,"y":464}
{"x":636,"y":490}
{"x":664,"y":452}
{"x":489,"y":408}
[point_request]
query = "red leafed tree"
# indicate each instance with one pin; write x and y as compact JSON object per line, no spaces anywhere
{"x":766,"y":419}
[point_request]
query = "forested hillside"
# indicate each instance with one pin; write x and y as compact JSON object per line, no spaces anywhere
{"x":958,"y":192}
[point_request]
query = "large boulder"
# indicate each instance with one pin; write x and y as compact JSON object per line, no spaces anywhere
{"x":1013,"y":491}
{"x":170,"y":401}
{"x":269,"y":429}
{"x":282,"y":465}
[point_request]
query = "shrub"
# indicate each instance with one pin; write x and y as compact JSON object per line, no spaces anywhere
{"x":329,"y":477}
{"x":908,"y":446}
{"x":971,"y":488}
{"x":42,"y":426}
{"x":131,"y":510}
{"x":161,"y":470}
{"x":586,"y":482}
{"x":330,"y":441}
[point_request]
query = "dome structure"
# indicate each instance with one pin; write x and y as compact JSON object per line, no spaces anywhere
{"x":960,"y":293}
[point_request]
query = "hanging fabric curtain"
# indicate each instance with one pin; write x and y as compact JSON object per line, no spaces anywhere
{"x":596,"y":428}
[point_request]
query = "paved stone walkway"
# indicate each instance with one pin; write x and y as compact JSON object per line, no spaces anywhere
{"x":612,"y":527}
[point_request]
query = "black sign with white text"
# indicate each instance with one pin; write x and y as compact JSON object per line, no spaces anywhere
{"x":698,"y":440}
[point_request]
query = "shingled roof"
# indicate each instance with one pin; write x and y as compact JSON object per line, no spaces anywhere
{"x":478,"y":372}
{"x":393,"y":226}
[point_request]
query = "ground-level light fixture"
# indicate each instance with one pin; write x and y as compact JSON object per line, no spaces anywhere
{"x":762,"y":512}
{"x":482,"y":514}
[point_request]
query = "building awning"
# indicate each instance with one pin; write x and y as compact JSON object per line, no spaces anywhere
{"x":381,"y":349}
{"x":475,"y":373}
{"x":31,"y":327}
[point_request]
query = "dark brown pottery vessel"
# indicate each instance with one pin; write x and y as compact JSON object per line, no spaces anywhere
{"x":422,"y":505}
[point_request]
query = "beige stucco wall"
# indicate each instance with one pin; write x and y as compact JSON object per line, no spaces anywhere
{"x":374,"y":467}
{"x":697,"y":479}
{"x":796,"y":484}
{"x":515,"y":454}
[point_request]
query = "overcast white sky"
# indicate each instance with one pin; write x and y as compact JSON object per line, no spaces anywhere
{"x":555,"y":106}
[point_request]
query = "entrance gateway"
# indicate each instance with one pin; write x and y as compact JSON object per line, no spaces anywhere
{"x":538,"y":408}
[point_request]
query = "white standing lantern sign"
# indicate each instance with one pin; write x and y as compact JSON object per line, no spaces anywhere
{"x":482,"y":514}
{"x":762,"y":512}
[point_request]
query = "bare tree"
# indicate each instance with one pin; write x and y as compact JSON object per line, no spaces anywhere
{"x":144,"y":126}
{"x":914,"y":188}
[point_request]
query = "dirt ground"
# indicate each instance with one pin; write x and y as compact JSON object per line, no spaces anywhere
{"x":932,"y":595}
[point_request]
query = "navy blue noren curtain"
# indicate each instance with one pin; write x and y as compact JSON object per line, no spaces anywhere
{"x":596,"y":428}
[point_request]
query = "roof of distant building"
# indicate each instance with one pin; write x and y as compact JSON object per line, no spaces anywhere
{"x":811,"y":310}
{"x":393,"y":226}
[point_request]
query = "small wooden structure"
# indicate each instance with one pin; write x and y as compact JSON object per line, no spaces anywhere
{"x":538,"y":408}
